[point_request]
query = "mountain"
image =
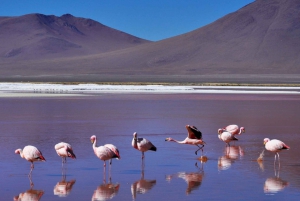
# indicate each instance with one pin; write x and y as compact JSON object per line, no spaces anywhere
{"x":258,"y":43}
{"x":37,"y":36}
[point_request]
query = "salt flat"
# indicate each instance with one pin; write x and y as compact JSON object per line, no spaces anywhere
{"x":48,"y":89}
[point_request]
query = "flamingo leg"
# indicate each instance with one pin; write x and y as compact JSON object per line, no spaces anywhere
{"x":143,"y":155}
{"x":30,"y":180}
{"x":278,"y":160}
{"x":199,"y":149}
{"x":104,"y":174}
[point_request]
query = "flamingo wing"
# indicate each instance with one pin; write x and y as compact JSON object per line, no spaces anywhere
{"x":31,"y":153}
{"x":114,"y":149}
{"x":145,"y":145}
{"x":193,"y":132}
{"x":233,"y":129}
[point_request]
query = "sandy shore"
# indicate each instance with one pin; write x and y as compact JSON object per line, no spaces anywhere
{"x":49,"y":89}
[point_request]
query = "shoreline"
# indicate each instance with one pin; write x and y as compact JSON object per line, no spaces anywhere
{"x":17,"y":89}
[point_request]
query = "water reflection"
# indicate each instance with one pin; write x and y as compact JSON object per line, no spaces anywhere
{"x":142,"y":186}
{"x":63,"y":187}
{"x":30,"y":195}
{"x":231,"y":154}
{"x":106,"y":191}
{"x":275,"y":184}
{"x":193,"y":179}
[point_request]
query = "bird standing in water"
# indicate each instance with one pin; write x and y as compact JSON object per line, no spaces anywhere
{"x":106,"y":152}
{"x":194,"y":138}
{"x":64,"y":150}
{"x":31,"y":154}
{"x":275,"y":146}
{"x":233,"y":129}
{"x":226,"y":137}
{"x":142,"y":144}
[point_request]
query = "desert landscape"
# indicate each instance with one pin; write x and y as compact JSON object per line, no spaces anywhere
{"x":257,"y":44}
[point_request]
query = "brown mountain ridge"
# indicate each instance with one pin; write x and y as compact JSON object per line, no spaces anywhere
{"x":259,"y":43}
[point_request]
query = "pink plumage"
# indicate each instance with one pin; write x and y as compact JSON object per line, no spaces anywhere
{"x":105,"y":152}
{"x":31,"y":154}
{"x":64,"y":150}
{"x":275,"y":146}
{"x":227,"y":137}
{"x":194,"y":138}
{"x":233,"y":129}
{"x":142,"y":144}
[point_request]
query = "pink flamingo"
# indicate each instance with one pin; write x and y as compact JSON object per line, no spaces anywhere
{"x":31,"y":154}
{"x":227,"y":137}
{"x":233,"y":129}
{"x":194,"y":138}
{"x":106,"y":152}
{"x":64,"y":150}
{"x":275,"y":146}
{"x":142,"y":144}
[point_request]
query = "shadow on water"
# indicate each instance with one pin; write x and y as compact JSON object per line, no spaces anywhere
{"x":193,"y":179}
{"x":231,"y":154}
{"x":143,"y":185}
{"x":63,"y":187}
{"x":106,"y":191}
{"x":31,"y":194}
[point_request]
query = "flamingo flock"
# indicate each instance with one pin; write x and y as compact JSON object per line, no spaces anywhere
{"x":110,"y":151}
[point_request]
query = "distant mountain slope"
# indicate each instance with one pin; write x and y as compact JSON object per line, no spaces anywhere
{"x":37,"y":36}
{"x":262,"y":38}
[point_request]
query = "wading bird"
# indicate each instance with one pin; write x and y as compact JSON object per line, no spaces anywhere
{"x":31,"y":154}
{"x":64,"y":150}
{"x":194,"y":138}
{"x":142,"y":144}
{"x":105,"y":152}
{"x":275,"y":146}
{"x":233,"y":129}
{"x":226,"y":137}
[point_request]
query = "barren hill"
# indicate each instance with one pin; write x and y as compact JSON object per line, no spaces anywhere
{"x":37,"y":36}
{"x":258,"y":43}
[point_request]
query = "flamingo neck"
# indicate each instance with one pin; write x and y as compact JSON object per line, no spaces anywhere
{"x":240,"y":131}
{"x":21,"y":153}
{"x":94,"y":144}
{"x":135,"y":143}
{"x":180,"y":142}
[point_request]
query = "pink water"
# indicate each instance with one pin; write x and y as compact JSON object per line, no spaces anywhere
{"x":171,"y":172}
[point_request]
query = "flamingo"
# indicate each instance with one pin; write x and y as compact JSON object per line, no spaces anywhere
{"x":106,"y":152}
{"x":227,"y":137}
{"x":275,"y":146}
{"x":233,"y":129}
{"x":64,"y":150}
{"x":142,"y":144}
{"x":194,"y":138}
{"x":31,"y":154}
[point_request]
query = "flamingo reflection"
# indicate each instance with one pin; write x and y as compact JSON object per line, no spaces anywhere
{"x":63,"y":187}
{"x":106,"y":191}
{"x":193,"y":179}
{"x":232,"y":153}
{"x":141,"y":186}
{"x":275,"y":184}
{"x":30,"y":195}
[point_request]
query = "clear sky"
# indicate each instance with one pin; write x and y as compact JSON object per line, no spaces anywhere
{"x":149,"y":19}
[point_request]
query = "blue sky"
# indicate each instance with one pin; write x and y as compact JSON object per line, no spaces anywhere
{"x":149,"y":19}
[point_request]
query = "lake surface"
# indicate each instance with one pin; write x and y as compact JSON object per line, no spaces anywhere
{"x":174,"y":172}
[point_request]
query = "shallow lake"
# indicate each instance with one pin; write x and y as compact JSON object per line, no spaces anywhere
{"x":174,"y":172}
